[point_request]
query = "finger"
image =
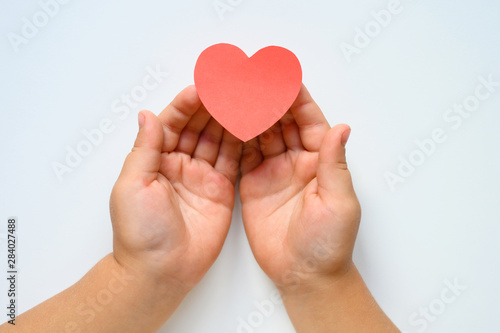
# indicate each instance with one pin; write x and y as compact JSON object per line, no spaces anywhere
{"x":271,"y":142}
{"x":251,"y":156}
{"x":228,"y":160}
{"x":191,"y":132}
{"x":291,"y":134}
{"x":209,"y":142}
{"x":312,"y":124}
{"x":177,"y":114}
{"x":334,"y":178}
{"x":144,"y":160}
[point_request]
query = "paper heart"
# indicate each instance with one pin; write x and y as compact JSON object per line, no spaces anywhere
{"x":247,"y":95}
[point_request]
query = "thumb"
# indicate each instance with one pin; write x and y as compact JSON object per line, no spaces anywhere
{"x":143,"y":162}
{"x":334,"y":179}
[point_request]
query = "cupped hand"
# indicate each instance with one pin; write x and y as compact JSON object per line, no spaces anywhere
{"x":171,"y":206}
{"x":299,"y":208}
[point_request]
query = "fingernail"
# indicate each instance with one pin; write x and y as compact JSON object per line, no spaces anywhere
{"x":141,"y":119}
{"x":345,"y":136}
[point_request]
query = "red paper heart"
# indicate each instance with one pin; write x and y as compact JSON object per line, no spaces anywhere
{"x":247,"y":95}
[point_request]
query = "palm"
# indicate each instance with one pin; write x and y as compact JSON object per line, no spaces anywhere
{"x":278,"y":213}
{"x":268,"y":207}
{"x":201,"y":200}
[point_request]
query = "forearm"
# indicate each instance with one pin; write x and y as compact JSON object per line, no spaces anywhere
{"x":337,"y":305}
{"x":109,"y":298}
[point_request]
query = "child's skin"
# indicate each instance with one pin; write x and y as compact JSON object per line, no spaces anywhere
{"x":171,"y":210}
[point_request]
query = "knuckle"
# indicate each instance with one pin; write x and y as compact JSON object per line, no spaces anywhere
{"x":342,"y":165}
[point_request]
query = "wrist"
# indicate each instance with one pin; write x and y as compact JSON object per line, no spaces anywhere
{"x":335,"y":303}
{"x":314,"y":285}
{"x":150,"y":285}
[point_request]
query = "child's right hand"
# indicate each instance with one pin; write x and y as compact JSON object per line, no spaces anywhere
{"x":299,"y":208}
{"x":172,"y":204}
{"x":301,"y":216}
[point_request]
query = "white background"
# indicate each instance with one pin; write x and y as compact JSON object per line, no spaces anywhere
{"x":440,"y":224}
